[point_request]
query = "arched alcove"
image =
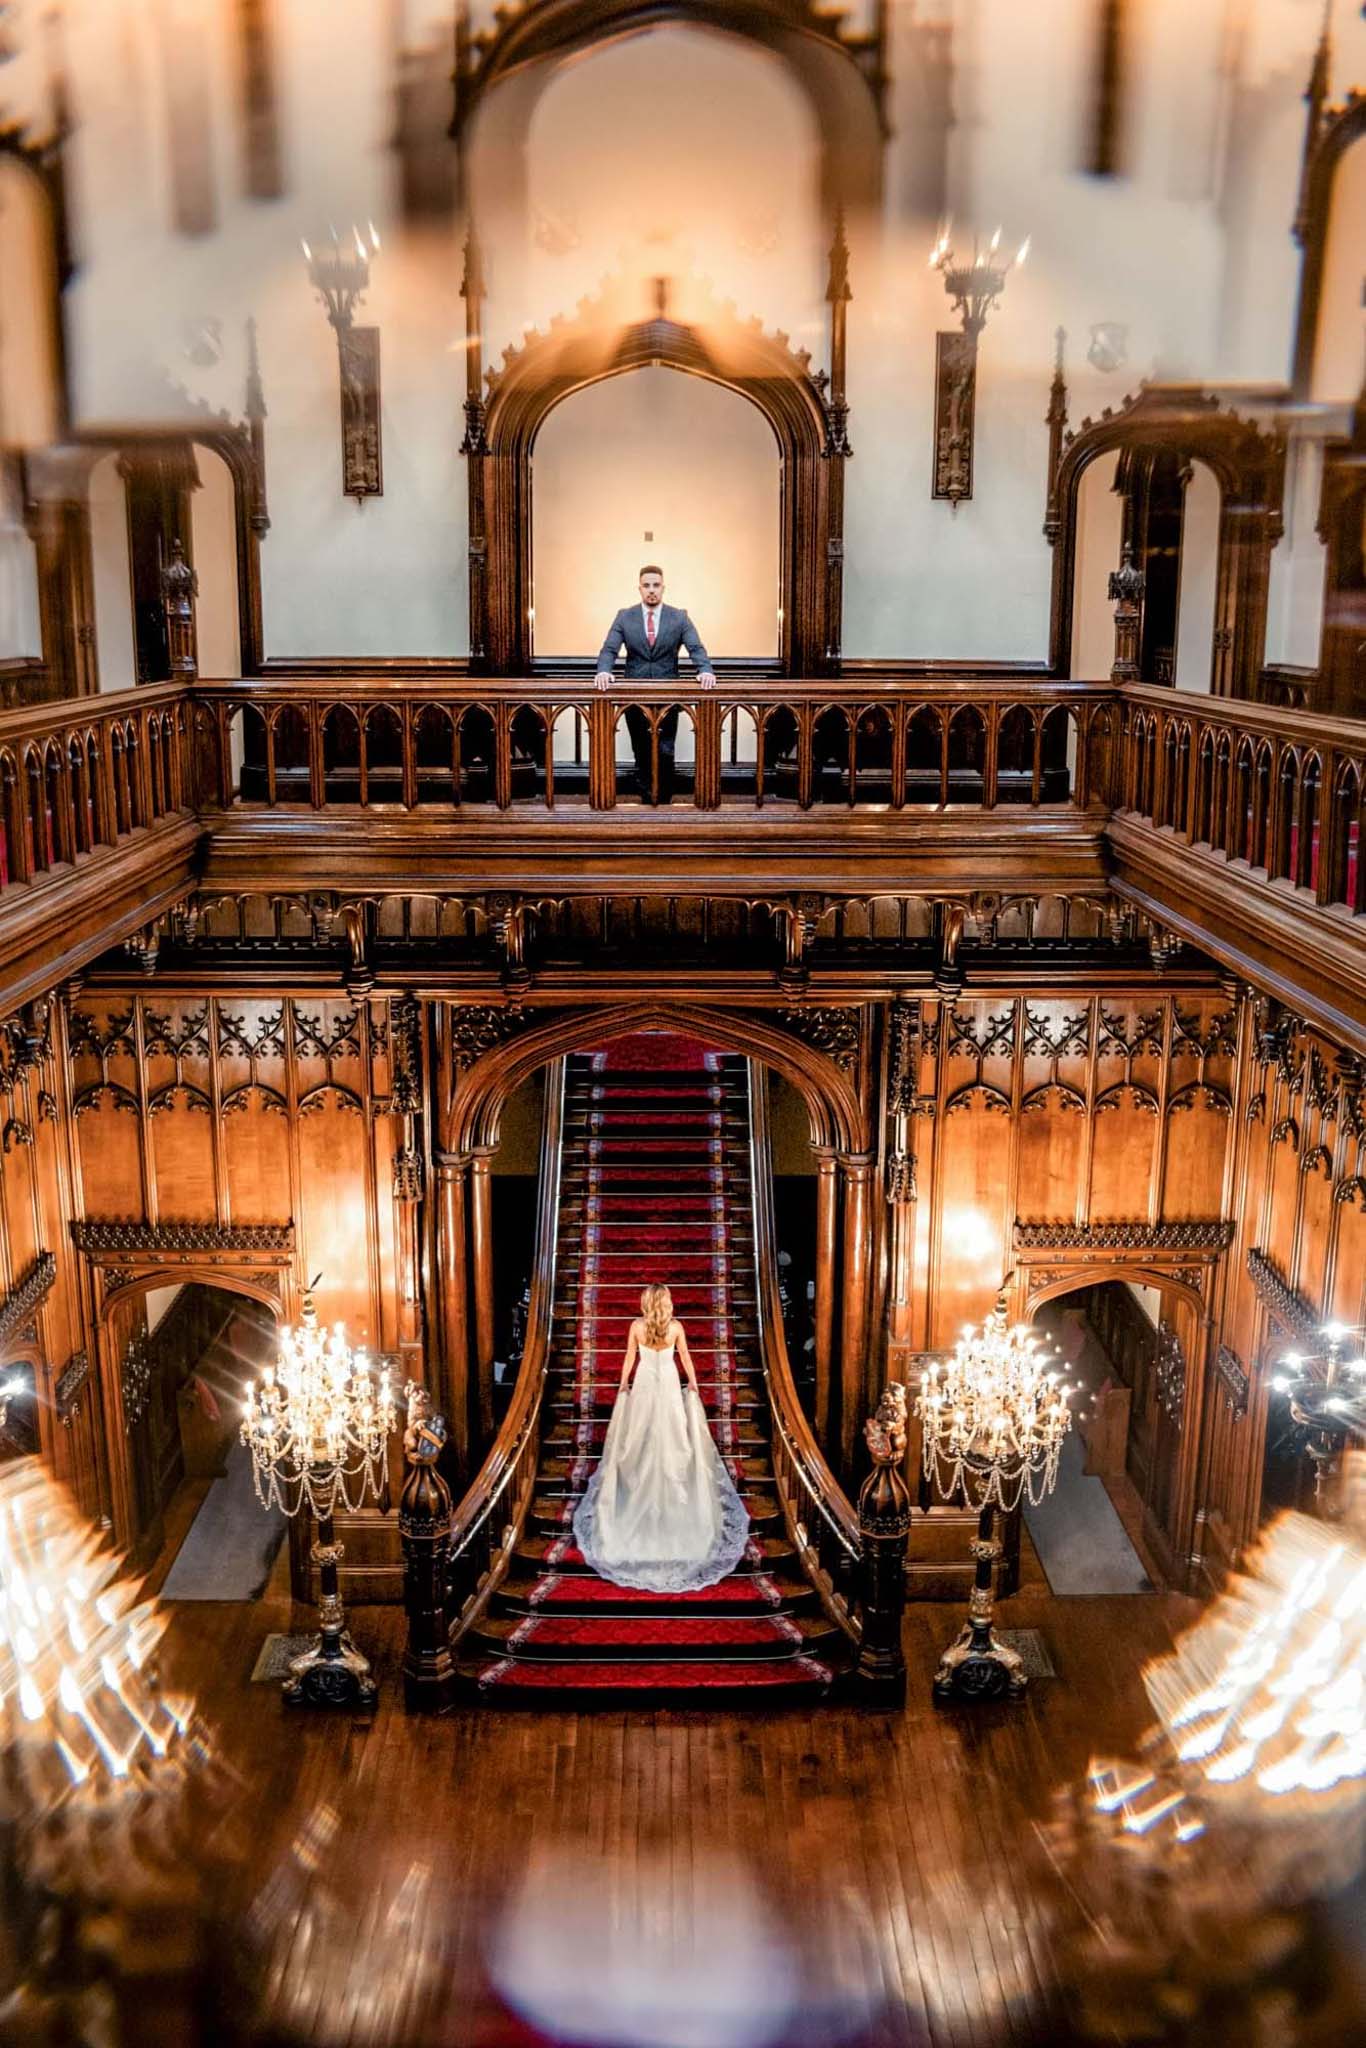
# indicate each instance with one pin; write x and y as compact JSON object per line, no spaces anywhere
{"x":1153,"y":446}
{"x":606,"y":341}
{"x":654,"y":466}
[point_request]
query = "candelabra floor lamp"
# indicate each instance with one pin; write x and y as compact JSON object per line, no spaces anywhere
{"x":993,"y":1418}
{"x":317,"y":1425}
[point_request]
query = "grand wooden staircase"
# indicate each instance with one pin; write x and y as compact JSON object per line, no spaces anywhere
{"x":655,"y":1183}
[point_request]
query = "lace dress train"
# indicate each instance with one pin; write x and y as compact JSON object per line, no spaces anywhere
{"x":661,"y":1512}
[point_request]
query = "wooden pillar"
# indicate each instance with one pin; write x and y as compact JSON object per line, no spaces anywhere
{"x":856,"y":1173}
{"x":453,"y":1375}
{"x":826,"y":1240}
{"x":481,"y":1257}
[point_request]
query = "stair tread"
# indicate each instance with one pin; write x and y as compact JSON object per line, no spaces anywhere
{"x":578,"y":1635}
{"x":803,"y":1674}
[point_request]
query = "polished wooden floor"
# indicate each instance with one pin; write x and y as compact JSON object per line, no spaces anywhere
{"x":390,"y":1862}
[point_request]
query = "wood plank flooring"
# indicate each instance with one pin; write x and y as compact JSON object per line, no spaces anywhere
{"x":889,"y":1848}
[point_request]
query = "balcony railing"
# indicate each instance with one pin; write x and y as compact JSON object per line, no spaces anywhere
{"x":1281,"y":791}
{"x":515,"y":745}
{"x":82,"y":775}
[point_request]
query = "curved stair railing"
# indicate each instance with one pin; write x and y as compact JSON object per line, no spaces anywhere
{"x":821,"y":1519}
{"x":454,"y":1557}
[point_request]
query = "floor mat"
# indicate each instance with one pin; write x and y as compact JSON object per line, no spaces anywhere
{"x":1079,"y":1538}
{"x":232,"y":1541}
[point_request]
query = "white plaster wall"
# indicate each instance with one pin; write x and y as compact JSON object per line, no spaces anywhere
{"x":114,"y":648}
{"x":1199,"y":574}
{"x":690,"y":464}
{"x":1100,"y":522}
{"x":676,"y":154}
{"x":1294,"y":616}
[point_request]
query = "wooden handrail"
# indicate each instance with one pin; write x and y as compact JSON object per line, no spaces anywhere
{"x":831,"y":1552}
{"x":476,"y":1561}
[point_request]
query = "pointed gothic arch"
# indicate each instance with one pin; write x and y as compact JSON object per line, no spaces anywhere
{"x":841,"y":72}
{"x":469,"y":1120}
{"x":550,"y":368}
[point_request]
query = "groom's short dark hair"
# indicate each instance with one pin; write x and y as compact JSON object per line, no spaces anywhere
{"x":650,"y":569}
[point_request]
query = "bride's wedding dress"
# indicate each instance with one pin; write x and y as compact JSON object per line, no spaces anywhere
{"x":661,"y":1511}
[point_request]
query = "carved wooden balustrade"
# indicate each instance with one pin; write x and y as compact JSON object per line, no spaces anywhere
{"x":513,"y":744}
{"x":489,"y":1520}
{"x":821,"y":1520}
{"x":85,"y":774}
{"x":1280,"y":790}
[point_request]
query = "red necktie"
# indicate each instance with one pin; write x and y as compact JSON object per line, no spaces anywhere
{"x":650,"y":625}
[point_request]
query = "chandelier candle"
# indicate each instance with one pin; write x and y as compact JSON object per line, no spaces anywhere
{"x":317,"y":1425}
{"x":993,"y":1418}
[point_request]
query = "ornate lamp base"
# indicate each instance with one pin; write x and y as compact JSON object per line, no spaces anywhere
{"x":333,"y":1673}
{"x":977,"y":1667}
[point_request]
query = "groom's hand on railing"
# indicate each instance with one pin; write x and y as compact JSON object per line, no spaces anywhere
{"x":707,"y":679}
{"x":603,"y":679}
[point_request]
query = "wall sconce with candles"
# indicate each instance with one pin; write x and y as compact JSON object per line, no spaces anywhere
{"x":974,"y":289}
{"x":340,"y":274}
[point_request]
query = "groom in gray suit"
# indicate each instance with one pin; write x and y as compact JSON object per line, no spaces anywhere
{"x":652,"y":633}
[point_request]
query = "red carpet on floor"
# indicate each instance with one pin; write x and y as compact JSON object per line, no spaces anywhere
{"x":655,"y":1180}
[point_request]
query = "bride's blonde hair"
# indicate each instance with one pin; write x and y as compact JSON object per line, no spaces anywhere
{"x":657,"y":1309}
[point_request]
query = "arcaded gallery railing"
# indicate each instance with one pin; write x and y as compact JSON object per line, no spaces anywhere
{"x":540,"y":745}
{"x":79,"y":776}
{"x":1282,"y":791}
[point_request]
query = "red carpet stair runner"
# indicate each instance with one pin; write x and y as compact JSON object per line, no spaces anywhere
{"x":655,"y":1185}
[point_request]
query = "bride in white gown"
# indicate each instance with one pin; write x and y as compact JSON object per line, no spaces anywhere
{"x":660,"y":1512}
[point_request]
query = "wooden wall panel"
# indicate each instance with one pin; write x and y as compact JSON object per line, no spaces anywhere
{"x":331,"y":1224}
{"x":1124,"y":1144}
{"x":1193,"y":1169}
{"x":110,"y":1140}
{"x":255,"y":1141}
{"x":1052,"y":1162}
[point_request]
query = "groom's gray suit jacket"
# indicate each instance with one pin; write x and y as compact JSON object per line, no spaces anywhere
{"x":676,"y":630}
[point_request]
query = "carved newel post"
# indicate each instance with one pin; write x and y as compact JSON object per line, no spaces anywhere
{"x":1127,"y":585}
{"x":424,"y":1525}
{"x":884,"y":1513}
{"x":179,"y":589}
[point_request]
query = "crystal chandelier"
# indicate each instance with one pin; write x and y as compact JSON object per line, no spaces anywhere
{"x":1327,"y":1396}
{"x":992,"y":1418}
{"x":317,"y":1425}
{"x":318,"y":1422}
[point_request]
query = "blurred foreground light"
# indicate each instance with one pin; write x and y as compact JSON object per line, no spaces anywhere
{"x":108,"y":1818}
{"x":663,"y":1954}
{"x":1195,"y":1886}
